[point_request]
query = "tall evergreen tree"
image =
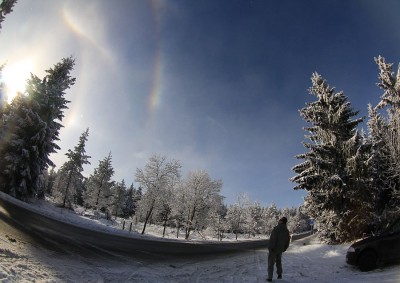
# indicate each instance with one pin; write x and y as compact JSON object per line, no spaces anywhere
{"x":70,"y":178}
{"x":334,"y":171}
{"x":130,"y":203}
{"x":98,"y":187}
{"x":16,"y":159}
{"x":380,"y":165}
{"x":30,"y":127}
{"x":118,"y":198}
{"x":385,"y":139}
{"x":48,"y":180}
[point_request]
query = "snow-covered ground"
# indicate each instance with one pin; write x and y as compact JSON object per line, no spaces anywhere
{"x":23,"y":259}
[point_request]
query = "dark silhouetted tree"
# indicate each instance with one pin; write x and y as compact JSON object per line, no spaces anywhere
{"x":30,"y":126}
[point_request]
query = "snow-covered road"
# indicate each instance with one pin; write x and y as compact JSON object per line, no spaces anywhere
{"x":63,"y":225}
{"x":26,"y":259}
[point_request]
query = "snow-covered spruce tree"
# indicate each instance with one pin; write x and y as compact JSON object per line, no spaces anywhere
{"x":70,"y":178}
{"x":334,"y":171}
{"x":384,"y":135}
{"x":3,"y":106}
{"x":131,"y":199}
{"x":98,"y":186}
{"x":158,"y":176}
{"x":49,"y":180}
{"x":382,"y":181}
{"x":118,"y":198}
{"x":15,"y":159}
{"x":30,"y":127}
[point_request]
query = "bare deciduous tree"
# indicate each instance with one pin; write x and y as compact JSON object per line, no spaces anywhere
{"x":158,"y":176}
{"x":199,"y":194}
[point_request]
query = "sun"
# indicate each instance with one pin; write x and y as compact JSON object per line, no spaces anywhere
{"x":14,"y":77}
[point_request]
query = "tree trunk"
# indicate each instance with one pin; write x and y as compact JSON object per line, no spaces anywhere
{"x":187,"y":233}
{"x":165,"y":225}
{"x":189,"y":223}
{"x":66,"y":190}
{"x":116,"y":212}
{"x":237,"y":228}
{"x":147,"y":218}
{"x":98,"y":194}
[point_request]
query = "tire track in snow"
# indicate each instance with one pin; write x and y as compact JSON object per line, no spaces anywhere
{"x":250,"y":266}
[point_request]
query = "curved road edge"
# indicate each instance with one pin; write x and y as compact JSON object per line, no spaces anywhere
{"x":50,"y":227}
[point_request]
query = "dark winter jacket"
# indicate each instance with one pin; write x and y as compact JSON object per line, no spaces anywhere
{"x":280,"y":239}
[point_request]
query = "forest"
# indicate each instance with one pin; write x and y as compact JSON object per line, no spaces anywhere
{"x":30,"y":126}
{"x":350,"y":174}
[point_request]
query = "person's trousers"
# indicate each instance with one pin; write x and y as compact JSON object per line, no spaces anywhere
{"x":272,"y":259}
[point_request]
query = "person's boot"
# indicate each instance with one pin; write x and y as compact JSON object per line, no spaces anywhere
{"x":269,"y":280}
{"x":280,"y":276}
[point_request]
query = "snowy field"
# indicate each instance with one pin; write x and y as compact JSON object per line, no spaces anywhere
{"x":24,"y":259}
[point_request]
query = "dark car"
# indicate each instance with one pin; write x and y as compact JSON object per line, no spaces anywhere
{"x":371,"y":251}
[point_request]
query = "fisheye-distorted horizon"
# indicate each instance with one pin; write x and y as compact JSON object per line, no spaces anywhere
{"x":214,"y":84}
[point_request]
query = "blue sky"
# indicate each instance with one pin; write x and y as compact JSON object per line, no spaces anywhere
{"x":214,"y":84}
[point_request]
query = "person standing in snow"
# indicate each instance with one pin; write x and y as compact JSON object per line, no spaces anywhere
{"x":278,"y":243}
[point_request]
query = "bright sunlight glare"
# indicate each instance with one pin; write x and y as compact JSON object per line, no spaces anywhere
{"x":14,"y":77}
